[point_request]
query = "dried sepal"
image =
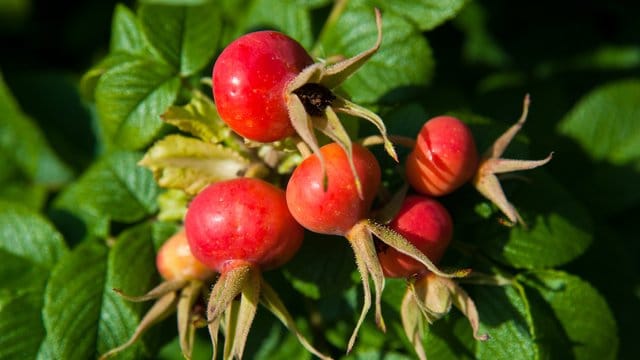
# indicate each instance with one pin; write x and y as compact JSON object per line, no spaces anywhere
{"x":391,"y":208}
{"x":162,"y":289}
{"x":485,"y":179}
{"x":302,"y":123}
{"x":368,"y":265}
{"x":398,"y":242}
{"x":331,"y":126}
{"x":413,"y":323}
{"x":312,"y":104}
{"x":249,"y":298}
{"x":228,"y":286}
{"x":186,"y":324}
{"x":432,"y":297}
{"x":270,"y":299}
{"x":435,"y":295}
{"x":335,"y":74}
{"x":366,"y":305}
{"x":162,"y":308}
{"x":465,"y":304}
{"x":345,"y":106}
{"x":244,"y":280}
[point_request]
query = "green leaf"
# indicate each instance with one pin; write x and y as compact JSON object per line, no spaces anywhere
{"x":21,"y":329}
{"x":607,"y":57}
{"x":479,"y":46}
{"x":191,"y":164}
{"x":114,"y":188}
{"x":582,"y":312}
{"x":162,"y":231}
{"x":126,"y":35}
{"x":559,"y":227}
{"x":25,"y":146}
{"x":404,"y":58}
{"x":17,"y":188}
{"x":130,"y":269}
{"x":450,"y":338}
{"x":72,"y":301}
{"x":185,"y":37}
{"x":199,"y":118}
{"x":82,"y":314}
{"x":605,"y":123}
{"x":176,"y":2}
{"x":89,"y":80}
{"x":130,"y":98}
{"x":29,"y":248}
{"x":29,"y":236}
{"x":293,"y":18}
{"x":19,"y":276}
{"x":425,"y":14}
{"x":45,"y":352}
{"x":322,"y":267}
{"x":505,"y":316}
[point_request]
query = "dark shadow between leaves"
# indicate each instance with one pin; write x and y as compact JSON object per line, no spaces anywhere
{"x":73,"y":229}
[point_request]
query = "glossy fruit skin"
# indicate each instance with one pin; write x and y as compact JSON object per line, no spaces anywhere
{"x":242,"y":220}
{"x":428,"y":226}
{"x":249,"y":82}
{"x":175,"y":261}
{"x":337,"y":209}
{"x":444,"y":158}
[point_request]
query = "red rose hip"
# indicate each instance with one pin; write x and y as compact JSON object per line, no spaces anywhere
{"x":427,"y":225}
{"x":444,"y":158}
{"x":176,"y":262}
{"x":242,"y":221}
{"x":249,"y":83}
{"x":338,"y":207}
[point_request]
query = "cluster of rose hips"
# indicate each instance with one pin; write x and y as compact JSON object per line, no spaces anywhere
{"x":267,"y":88}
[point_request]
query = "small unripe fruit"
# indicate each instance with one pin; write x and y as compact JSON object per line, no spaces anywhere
{"x":427,"y":225}
{"x":249,"y":83}
{"x":176,"y":262}
{"x":336,"y":208}
{"x":444,"y":158}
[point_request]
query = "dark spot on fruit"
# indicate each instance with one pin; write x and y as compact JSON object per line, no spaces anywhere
{"x":315,"y":98}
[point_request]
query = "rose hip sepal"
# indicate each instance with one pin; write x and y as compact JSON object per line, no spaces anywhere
{"x":249,"y":78}
{"x":485,"y":179}
{"x":184,"y":277}
{"x":240,"y":228}
{"x":429,"y":298}
{"x":311,"y":103}
{"x":326,"y":201}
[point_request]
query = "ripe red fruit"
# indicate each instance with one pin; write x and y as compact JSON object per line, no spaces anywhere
{"x":242,"y":221}
{"x":249,"y":81}
{"x":427,"y":225}
{"x":176,"y":262}
{"x":336,"y":208}
{"x":444,"y":158}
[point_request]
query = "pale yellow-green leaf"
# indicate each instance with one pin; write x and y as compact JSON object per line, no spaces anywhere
{"x":199,"y":118}
{"x":190,"y":164}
